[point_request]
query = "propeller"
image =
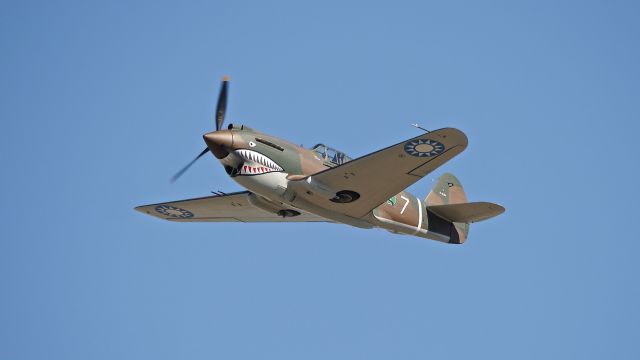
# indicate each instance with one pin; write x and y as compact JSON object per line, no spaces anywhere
{"x":184,"y":169}
{"x":221,"y":109}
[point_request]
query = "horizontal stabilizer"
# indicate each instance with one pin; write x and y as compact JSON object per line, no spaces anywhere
{"x":467,"y":212}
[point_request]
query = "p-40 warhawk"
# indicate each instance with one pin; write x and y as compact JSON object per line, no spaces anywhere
{"x":289,"y":183}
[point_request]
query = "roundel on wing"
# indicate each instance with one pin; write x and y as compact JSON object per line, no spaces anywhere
{"x":174,"y":212}
{"x":423,"y":148}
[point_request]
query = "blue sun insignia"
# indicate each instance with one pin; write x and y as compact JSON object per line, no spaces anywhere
{"x":424,"y":148}
{"x":174,"y":212}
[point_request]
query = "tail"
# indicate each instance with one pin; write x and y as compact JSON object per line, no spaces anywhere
{"x":450,"y":213}
{"x":448,"y":190}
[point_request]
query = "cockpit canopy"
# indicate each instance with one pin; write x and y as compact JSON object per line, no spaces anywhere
{"x":330,"y":154}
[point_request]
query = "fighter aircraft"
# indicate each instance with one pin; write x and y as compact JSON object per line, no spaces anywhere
{"x":288,"y":183}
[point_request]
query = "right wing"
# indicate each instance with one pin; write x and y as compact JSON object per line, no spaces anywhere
{"x":380,"y":175}
{"x":234,"y":207}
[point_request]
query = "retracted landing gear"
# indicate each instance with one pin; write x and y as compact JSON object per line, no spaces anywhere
{"x":288,"y":213}
{"x":345,"y":196}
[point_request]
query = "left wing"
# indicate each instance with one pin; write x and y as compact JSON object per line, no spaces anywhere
{"x":234,"y":207}
{"x":380,"y":175}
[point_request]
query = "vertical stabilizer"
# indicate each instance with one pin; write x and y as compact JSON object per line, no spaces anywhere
{"x":447,"y":190}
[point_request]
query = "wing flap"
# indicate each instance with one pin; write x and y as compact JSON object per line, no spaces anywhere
{"x":467,"y":212}
{"x":233,"y":207}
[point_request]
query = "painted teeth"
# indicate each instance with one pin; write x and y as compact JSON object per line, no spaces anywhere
{"x":261,"y":164}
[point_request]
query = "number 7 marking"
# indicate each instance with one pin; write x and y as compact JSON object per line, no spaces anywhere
{"x":405,"y":204}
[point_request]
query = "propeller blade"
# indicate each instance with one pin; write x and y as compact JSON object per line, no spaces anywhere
{"x":184,"y":169}
{"x":221,"y":108}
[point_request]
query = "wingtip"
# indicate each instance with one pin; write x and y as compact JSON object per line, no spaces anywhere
{"x":453,"y":133}
{"x":142,"y":208}
{"x":145,"y":209}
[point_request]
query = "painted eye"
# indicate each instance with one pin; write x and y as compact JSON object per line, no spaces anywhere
{"x":252,"y":144}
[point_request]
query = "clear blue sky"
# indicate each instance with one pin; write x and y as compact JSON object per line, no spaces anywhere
{"x":101,"y":102}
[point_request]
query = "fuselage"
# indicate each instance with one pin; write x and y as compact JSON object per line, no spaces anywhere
{"x":273,"y":168}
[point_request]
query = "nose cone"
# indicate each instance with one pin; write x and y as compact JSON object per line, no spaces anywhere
{"x":219,"y":142}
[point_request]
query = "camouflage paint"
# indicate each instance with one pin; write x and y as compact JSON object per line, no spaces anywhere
{"x":403,"y":213}
{"x":282,"y":177}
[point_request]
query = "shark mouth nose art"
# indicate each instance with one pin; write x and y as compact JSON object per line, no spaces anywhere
{"x":255,"y":163}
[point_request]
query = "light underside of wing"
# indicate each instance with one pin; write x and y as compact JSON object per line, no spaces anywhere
{"x":233,"y":207}
{"x":379,"y":175}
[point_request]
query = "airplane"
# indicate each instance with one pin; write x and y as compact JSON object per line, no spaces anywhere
{"x":289,"y":183}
